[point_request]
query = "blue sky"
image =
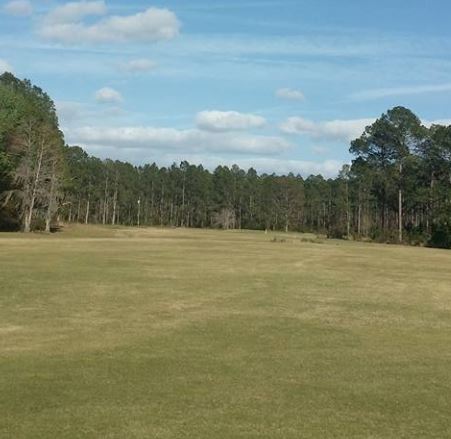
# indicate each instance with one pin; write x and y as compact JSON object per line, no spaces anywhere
{"x":282,"y":86}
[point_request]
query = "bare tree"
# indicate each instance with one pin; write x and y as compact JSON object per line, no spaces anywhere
{"x":225,"y":219}
{"x":36,"y":177}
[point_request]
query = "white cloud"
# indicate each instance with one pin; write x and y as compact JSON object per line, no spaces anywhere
{"x":327,"y":168}
{"x":290,"y":94}
{"x":66,"y":24}
{"x":73,"y":12}
{"x":218,"y":121}
{"x":445,"y":122}
{"x":342,"y":130}
{"x":164,"y":139}
{"x":74,"y":114}
{"x":141,"y":65}
{"x":338,"y":130}
{"x":320,"y":150}
{"x":5,"y":66}
{"x":19,"y":8}
{"x":108,"y":95}
{"x":381,"y":93}
{"x":69,"y":111}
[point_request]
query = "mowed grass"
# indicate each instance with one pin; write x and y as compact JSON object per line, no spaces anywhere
{"x":158,"y":333}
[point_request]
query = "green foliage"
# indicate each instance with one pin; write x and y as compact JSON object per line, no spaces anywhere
{"x":441,"y":236}
{"x":398,"y":187}
{"x":31,"y":163}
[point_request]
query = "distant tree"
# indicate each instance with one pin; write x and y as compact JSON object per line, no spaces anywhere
{"x":385,"y":145}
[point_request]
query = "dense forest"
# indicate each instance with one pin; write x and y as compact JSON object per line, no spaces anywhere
{"x":397,"y":189}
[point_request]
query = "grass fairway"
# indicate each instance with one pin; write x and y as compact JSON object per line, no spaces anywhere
{"x":121,"y":333}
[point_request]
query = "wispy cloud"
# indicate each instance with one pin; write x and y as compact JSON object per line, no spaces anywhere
{"x":314,"y":44}
{"x":290,"y":94}
{"x":140,"y":65}
{"x":72,"y":114}
{"x":108,"y":95}
{"x":19,"y":8}
{"x":381,"y":93}
{"x":221,"y":121}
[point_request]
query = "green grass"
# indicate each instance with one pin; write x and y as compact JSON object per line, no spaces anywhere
{"x":151,"y":333}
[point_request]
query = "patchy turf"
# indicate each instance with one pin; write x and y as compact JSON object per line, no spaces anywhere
{"x":157,"y":333}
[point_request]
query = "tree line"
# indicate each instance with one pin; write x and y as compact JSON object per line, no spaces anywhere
{"x":397,"y":188}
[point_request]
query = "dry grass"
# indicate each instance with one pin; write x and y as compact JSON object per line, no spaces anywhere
{"x":140,"y":333}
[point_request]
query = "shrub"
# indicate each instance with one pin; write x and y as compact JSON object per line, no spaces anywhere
{"x":441,"y":236}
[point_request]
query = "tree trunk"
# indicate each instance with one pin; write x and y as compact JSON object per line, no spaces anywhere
{"x":430,"y":206}
{"x":29,"y":214}
{"x":348,"y":212}
{"x":161,"y":205}
{"x":400,"y":219}
{"x":105,"y":202}
{"x":152,"y":204}
{"x":400,"y":213}
{"x":87,"y":209}
{"x":359,"y":220}
{"x":113,"y":219}
{"x":49,"y":213}
{"x":27,"y":224}
{"x":183,"y":201}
